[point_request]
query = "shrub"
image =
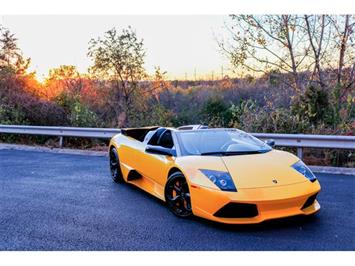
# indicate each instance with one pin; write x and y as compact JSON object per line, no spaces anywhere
{"x":313,"y":105}
{"x":77,"y":114}
{"x":216,"y":112}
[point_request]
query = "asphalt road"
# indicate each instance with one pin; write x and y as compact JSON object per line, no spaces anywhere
{"x":68,"y":202}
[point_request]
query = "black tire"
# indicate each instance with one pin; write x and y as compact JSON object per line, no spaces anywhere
{"x":115,"y":167}
{"x":177,"y":195}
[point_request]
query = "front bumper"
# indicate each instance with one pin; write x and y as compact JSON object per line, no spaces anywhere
{"x":271,"y":202}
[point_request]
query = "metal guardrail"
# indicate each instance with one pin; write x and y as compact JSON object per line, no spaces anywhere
{"x":299,"y":141}
{"x":61,"y":132}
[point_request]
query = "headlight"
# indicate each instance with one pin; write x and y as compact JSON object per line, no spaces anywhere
{"x":223,"y":180}
{"x":304,"y":170}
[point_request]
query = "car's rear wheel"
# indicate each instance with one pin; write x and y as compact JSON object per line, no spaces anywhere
{"x":115,"y":167}
{"x":177,"y":195}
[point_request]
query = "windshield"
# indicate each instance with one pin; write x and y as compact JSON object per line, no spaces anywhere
{"x":219,"y":142}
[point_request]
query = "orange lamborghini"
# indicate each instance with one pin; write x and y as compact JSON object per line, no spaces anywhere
{"x":221,"y":174}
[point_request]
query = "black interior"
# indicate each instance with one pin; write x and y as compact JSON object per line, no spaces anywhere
{"x":137,"y":133}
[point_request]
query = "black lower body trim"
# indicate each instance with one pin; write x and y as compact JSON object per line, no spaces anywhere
{"x":237,"y":210}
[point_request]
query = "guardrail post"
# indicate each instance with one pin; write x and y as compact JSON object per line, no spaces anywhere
{"x":61,"y":142}
{"x":300,"y":152}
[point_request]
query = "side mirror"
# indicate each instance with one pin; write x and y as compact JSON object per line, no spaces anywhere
{"x":160,"y":150}
{"x":270,"y":142}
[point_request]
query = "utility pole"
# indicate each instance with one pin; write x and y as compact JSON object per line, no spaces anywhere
{"x":212,"y":75}
{"x":185,"y":76}
{"x":195,"y":73}
{"x":222,"y":74}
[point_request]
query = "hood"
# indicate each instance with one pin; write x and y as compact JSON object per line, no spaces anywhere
{"x":261,"y":170}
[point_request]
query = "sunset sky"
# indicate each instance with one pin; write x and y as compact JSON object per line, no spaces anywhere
{"x":178,"y":44}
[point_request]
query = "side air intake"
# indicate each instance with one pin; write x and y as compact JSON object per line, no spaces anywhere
{"x":133,"y":175}
{"x":309,"y":201}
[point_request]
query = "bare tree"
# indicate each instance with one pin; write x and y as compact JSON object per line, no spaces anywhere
{"x":260,"y":44}
{"x":345,"y":42}
{"x":343,"y":46}
{"x":319,"y":35}
{"x":320,"y":48}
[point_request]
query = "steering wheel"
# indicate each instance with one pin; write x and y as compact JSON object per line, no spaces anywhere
{"x":226,"y":145}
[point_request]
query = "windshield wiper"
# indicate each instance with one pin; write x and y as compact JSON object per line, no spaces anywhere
{"x":214,"y":153}
{"x":230,"y":153}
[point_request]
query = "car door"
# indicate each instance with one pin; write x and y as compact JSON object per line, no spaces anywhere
{"x":155,"y":166}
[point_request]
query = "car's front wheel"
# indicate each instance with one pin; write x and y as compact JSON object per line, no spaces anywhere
{"x":177,"y":195}
{"x":115,"y":168}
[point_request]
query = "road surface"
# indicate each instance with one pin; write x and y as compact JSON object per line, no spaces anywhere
{"x":54,"y":201}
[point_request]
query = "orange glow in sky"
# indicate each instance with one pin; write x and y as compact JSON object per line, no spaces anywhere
{"x":180,"y":45}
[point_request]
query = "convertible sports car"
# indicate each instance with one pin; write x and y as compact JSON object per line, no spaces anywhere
{"x":221,"y":174}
